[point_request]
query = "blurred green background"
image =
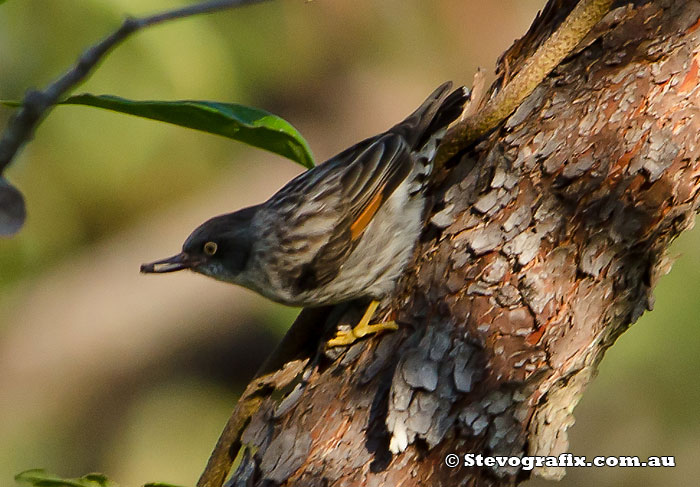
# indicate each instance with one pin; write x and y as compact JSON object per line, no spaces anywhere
{"x":102,"y":369}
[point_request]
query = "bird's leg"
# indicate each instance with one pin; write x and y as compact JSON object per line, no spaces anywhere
{"x":362,"y":328}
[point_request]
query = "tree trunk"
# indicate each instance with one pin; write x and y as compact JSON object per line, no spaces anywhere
{"x":544,"y":243}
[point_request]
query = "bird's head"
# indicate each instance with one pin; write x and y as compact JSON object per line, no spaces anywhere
{"x":218,"y":248}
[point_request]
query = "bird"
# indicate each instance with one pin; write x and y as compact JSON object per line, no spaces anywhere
{"x":342,"y":231}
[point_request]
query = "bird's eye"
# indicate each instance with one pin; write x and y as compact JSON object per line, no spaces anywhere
{"x":210,"y":248}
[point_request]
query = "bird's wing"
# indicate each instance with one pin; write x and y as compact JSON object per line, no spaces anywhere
{"x":334,"y":206}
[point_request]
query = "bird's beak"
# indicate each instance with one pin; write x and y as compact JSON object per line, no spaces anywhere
{"x":171,"y":264}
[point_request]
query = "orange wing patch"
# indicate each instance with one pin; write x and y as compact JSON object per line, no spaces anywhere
{"x":366,"y":216}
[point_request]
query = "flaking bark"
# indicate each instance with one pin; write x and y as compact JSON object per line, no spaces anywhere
{"x":544,"y":244}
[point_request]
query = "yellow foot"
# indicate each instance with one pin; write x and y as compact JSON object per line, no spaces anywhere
{"x":362,"y":328}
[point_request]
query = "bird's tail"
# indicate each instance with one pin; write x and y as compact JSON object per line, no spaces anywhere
{"x":439,"y":110}
{"x":425,"y":128}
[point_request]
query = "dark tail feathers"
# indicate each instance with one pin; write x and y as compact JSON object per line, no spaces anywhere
{"x":437,"y":112}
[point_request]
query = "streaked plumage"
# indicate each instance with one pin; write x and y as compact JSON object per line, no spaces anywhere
{"x":343,"y":230}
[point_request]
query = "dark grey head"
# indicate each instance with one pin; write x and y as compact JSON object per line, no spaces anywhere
{"x":218,"y":248}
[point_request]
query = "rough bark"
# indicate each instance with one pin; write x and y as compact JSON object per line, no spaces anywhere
{"x":544,"y":244}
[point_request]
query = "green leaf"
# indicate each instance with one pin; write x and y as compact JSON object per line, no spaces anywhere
{"x":39,"y":478}
{"x":249,"y":125}
{"x":245,"y":124}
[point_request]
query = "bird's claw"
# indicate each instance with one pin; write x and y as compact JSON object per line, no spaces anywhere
{"x":348,"y":337}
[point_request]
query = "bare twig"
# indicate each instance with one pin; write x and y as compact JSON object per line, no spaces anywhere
{"x":575,"y":27}
{"x":36,"y":103}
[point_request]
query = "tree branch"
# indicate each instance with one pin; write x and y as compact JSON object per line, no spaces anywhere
{"x":575,"y":27}
{"x":36,"y":103}
{"x":547,"y":240}
{"x":584,"y":16}
{"x":229,"y":442}
{"x":285,"y":363}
